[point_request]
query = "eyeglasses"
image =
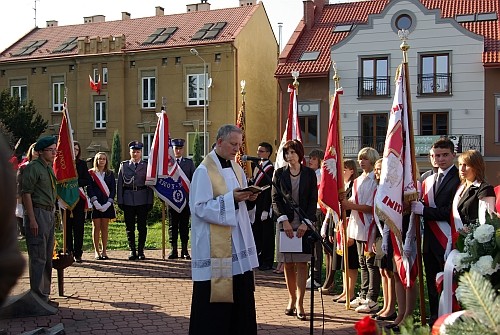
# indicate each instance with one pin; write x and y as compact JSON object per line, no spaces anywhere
{"x":262,"y":151}
{"x":50,"y":149}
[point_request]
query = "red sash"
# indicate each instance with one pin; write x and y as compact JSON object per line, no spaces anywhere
{"x":100,"y":182}
{"x":260,"y":175}
{"x":440,"y":229}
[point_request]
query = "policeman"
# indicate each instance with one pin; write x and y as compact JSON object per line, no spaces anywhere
{"x":134,"y":198}
{"x":179,"y":222}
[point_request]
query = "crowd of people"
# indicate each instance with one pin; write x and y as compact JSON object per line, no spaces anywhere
{"x":235,"y":231}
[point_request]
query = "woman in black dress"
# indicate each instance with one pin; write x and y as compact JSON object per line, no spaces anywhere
{"x":102,"y":192}
{"x":297,"y":182}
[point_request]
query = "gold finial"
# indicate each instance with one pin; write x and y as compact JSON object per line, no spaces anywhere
{"x":295,"y":75}
{"x":336,"y":77}
{"x":243,"y":92}
{"x":403,"y":36}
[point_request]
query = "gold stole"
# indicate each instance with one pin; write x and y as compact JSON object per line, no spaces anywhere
{"x":220,"y":240}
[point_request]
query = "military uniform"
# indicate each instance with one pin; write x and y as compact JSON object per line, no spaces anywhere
{"x":179,"y":222}
{"x":135,"y":199}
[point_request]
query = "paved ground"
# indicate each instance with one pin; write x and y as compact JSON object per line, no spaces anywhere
{"x":118,"y":296}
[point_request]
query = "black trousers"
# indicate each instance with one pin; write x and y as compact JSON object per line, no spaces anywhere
{"x":263,"y":234}
{"x":75,"y":228}
{"x":224,"y":318}
{"x":133,"y":215}
{"x":178,"y":223}
{"x":433,"y":265}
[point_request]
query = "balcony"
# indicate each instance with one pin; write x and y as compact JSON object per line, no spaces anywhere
{"x":423,"y":143}
{"x":434,"y":84}
{"x":369,"y":87}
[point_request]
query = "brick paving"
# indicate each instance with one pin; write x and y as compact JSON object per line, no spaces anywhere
{"x":118,"y":296}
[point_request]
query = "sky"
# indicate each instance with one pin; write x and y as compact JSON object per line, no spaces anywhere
{"x":17,"y":18}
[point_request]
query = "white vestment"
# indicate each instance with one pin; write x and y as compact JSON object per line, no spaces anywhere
{"x":206,"y":210}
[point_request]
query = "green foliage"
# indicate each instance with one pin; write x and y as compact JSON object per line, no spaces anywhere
{"x":22,"y":120}
{"x":197,"y":150}
{"x":116,"y":152}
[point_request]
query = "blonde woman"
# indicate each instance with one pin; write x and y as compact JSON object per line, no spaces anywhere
{"x":101,"y":191}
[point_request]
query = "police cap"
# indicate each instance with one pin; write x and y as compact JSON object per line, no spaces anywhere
{"x":178,"y":142}
{"x":135,"y":145}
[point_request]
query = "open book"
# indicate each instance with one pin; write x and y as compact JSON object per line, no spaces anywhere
{"x":255,"y":189}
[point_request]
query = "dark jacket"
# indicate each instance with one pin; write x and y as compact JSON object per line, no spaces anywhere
{"x":95,"y":193}
{"x":264,"y":200}
{"x":308,"y":193}
{"x":468,"y":205}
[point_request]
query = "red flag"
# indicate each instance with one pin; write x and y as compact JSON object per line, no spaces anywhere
{"x":332,"y":169}
{"x":240,"y":123}
{"x":64,"y":164}
{"x":95,"y":86}
{"x":292,"y":128}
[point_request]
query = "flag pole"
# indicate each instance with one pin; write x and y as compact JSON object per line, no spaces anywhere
{"x":403,"y":34}
{"x":163,"y":230}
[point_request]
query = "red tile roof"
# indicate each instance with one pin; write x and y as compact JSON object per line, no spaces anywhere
{"x":136,"y":31}
{"x":320,"y":36}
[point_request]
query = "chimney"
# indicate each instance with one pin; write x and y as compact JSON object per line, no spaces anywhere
{"x":198,"y":7}
{"x":308,"y":13}
{"x":247,"y":3}
{"x":159,"y":11}
{"x":52,"y":23}
{"x":94,"y":18}
{"x":319,"y":4}
{"x":125,"y":16}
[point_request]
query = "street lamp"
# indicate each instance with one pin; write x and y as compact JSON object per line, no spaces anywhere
{"x":195,"y":52}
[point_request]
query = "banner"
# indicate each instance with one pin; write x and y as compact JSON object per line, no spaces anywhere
{"x":240,"y":123}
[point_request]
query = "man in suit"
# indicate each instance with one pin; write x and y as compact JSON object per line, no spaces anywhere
{"x":263,"y":227}
{"x":179,"y":222}
{"x":437,"y":195}
{"x":134,"y":198}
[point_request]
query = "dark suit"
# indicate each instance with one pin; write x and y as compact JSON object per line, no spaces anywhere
{"x":263,"y":230}
{"x":75,"y":219}
{"x":136,"y":200}
{"x":179,"y":222}
{"x":468,"y":205}
{"x":433,"y":251}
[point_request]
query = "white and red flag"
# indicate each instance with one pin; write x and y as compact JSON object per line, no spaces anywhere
{"x":292,"y":128}
{"x":396,"y":179}
{"x":95,"y":86}
{"x":164,"y":174}
{"x":332,"y":169}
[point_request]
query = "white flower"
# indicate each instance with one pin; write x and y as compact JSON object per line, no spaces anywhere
{"x":484,"y":266}
{"x":460,"y":263}
{"x":484,"y":233}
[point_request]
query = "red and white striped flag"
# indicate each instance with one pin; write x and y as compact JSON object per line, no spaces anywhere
{"x":332,"y":170}
{"x":396,"y":178}
{"x":292,"y":128}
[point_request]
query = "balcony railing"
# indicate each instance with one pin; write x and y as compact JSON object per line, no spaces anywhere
{"x":374,"y":87}
{"x":434,"y":84}
{"x":463,"y":142}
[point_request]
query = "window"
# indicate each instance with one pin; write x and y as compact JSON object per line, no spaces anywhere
{"x":57,"y":94}
{"x":309,"y":121}
{"x":148,"y":92}
{"x":147,"y":140}
{"x":309,"y":55}
{"x":104,"y":75}
{"x":403,"y":21}
{"x":497,"y":118}
{"x":196,"y":89}
{"x":435,"y":76}
{"x":434,"y":123}
{"x":19,"y":88}
{"x":374,"y":130}
{"x":95,"y":75}
{"x":191,"y":136}
{"x":374,"y":80}
{"x":100,"y":114}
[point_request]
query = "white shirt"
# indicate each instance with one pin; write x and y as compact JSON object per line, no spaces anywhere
{"x":365,"y":189}
{"x":206,"y":210}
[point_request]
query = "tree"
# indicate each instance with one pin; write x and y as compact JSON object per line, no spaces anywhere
{"x":116,"y":152}
{"x":197,"y":150}
{"x":21,"y":119}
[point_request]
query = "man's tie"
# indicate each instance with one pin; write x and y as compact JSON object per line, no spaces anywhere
{"x":179,"y":161}
{"x":439,"y":179}
{"x":136,"y":164}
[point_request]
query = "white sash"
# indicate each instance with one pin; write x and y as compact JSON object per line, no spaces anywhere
{"x":455,"y":215}
{"x":259,"y":175}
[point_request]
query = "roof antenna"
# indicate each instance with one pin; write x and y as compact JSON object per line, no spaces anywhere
{"x":35,"y":12}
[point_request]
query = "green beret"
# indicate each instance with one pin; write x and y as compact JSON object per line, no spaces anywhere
{"x":44,"y":142}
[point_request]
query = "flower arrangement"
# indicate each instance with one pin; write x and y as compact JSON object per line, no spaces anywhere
{"x":479,"y":247}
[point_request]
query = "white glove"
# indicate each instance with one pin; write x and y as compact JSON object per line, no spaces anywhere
{"x":407,"y":249}
{"x":105,"y":206}
{"x":448,"y":250}
{"x":417,"y":207}
{"x":19,"y":210}
{"x":264,"y":216}
{"x":385,"y":247}
{"x":97,"y":205}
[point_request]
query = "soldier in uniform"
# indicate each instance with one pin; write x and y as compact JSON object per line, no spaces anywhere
{"x":134,"y":198}
{"x":179,"y":222}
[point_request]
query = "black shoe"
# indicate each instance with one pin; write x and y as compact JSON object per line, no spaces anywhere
{"x":185,"y":254}
{"x":132,"y":256}
{"x":173,"y":255}
{"x":301,"y":317}
{"x":78,"y":259}
{"x":265,"y":267}
{"x":391,"y":317}
{"x":290,"y":312}
{"x":141,"y":257}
